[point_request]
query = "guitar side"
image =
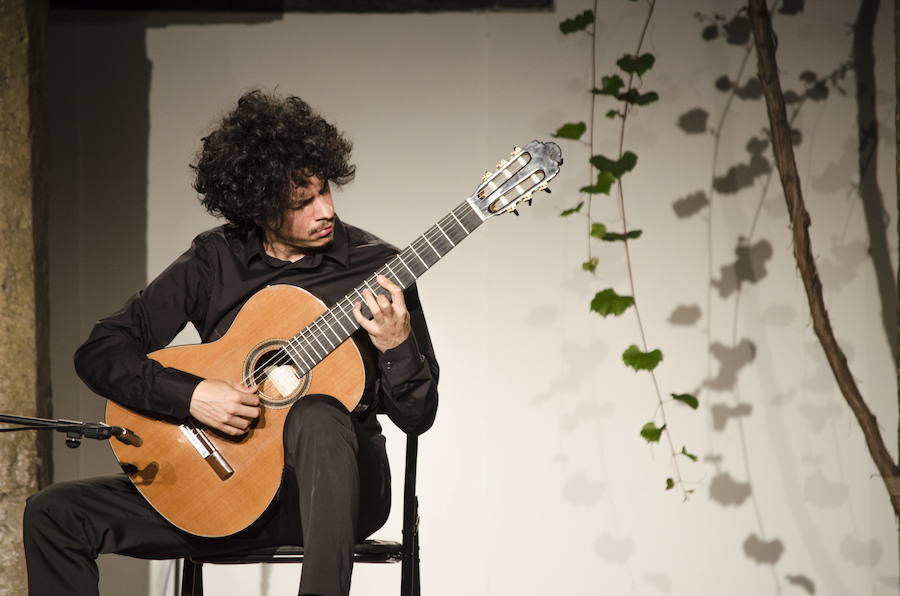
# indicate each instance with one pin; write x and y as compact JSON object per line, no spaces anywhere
{"x":167,"y":468}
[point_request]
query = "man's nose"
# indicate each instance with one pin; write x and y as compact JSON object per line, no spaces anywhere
{"x":324,"y":208}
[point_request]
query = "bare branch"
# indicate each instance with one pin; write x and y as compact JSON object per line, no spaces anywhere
{"x":790,"y":181}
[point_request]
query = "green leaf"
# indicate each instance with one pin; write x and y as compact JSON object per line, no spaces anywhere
{"x":604,"y":183}
{"x":611,"y":85}
{"x":685,"y":453}
{"x":607,"y":302}
{"x":638,"y":360}
{"x":629,"y":235}
{"x":598,"y":230}
{"x":613,"y":113}
{"x":639,"y":99}
{"x":577,"y":23}
{"x":651,"y":433}
{"x":590,"y":265}
{"x":686,"y":398}
{"x":574,"y":209}
{"x":571,"y":130}
{"x":636,"y":64}
{"x":617,"y":167}
{"x":670,"y":484}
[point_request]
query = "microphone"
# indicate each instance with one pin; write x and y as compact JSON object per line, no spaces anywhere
{"x":126,"y":436}
{"x":97,"y":430}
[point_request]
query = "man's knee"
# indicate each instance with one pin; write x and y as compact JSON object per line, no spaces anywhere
{"x":317,"y":418}
{"x":48,"y":509}
{"x":318,"y":411}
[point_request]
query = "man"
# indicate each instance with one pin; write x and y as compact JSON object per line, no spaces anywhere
{"x":268,"y":169}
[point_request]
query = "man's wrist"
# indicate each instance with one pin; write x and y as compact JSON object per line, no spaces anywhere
{"x":178,"y":388}
{"x":401,"y":361}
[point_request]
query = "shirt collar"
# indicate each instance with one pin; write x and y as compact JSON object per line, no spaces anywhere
{"x":338,"y":250}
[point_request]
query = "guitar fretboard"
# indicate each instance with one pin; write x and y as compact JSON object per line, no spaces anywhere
{"x":327,"y":332}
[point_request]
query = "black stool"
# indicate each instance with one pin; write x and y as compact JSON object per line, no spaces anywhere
{"x":367,"y":551}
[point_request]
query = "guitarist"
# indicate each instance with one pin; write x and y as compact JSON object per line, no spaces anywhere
{"x":269,"y":169}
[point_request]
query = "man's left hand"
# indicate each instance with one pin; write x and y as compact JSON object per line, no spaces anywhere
{"x":389,"y":326}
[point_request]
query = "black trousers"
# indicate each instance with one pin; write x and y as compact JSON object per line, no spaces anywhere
{"x":336,"y":490}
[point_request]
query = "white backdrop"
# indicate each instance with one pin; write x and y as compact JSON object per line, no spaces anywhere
{"x":534,"y":478}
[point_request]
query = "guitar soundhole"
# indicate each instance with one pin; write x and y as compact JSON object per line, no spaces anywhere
{"x":279,"y":380}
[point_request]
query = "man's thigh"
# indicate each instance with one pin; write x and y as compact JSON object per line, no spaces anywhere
{"x":111,"y":516}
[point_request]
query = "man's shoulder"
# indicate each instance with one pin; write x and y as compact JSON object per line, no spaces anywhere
{"x":360,"y":239}
{"x":220,"y":238}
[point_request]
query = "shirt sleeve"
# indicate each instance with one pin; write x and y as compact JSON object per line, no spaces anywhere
{"x":408,"y":375}
{"x":113,"y":361}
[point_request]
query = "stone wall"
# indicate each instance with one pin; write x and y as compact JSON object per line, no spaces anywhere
{"x":24,"y":382}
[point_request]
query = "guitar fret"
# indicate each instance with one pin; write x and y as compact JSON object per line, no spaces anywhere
{"x":425,"y":238}
{"x":339,"y":314}
{"x":419,"y":256}
{"x":340,"y":305}
{"x":395,"y":276}
{"x":406,"y":278}
{"x":313,"y":348}
{"x":293,"y":354}
{"x":327,"y":329}
{"x":473,"y":215}
{"x":438,"y":226}
{"x":315,"y":334}
{"x":338,"y":321}
{"x":371,"y":289}
{"x":319,"y":337}
{"x":304,"y":348}
{"x":459,"y":222}
{"x":323,"y":335}
{"x":402,"y":262}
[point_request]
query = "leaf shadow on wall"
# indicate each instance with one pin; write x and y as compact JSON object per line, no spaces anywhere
{"x":750,"y":267}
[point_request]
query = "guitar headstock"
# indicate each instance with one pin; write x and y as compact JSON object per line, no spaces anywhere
{"x":527,"y":171}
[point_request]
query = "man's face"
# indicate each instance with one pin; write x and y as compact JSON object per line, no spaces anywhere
{"x":308,"y":222}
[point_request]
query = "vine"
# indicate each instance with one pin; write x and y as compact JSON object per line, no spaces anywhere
{"x":606,"y":172}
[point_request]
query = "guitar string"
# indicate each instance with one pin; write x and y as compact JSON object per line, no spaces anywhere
{"x":321,"y":337}
{"x":309,"y":333}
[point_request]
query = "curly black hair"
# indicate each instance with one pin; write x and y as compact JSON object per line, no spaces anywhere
{"x":248,"y":166}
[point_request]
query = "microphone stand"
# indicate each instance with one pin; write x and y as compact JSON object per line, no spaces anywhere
{"x":74,"y":429}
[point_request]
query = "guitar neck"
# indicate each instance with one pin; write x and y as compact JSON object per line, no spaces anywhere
{"x":327,"y":332}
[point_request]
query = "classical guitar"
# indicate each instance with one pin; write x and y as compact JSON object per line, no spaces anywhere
{"x":210,"y":485}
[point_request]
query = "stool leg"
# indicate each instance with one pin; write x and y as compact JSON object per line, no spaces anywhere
{"x":187,"y":577}
{"x":409,"y":566}
{"x":416,"y":589}
{"x":198,"y":580}
{"x":191,"y":578}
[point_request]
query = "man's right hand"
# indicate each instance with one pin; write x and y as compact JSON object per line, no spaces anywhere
{"x":225,"y":406}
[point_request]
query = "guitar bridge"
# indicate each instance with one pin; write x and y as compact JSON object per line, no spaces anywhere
{"x":198,"y":439}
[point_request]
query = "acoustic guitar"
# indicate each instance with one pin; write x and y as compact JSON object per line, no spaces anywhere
{"x":211,"y":485}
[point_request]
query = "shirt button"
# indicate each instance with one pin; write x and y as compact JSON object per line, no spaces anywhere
{"x":387,"y":365}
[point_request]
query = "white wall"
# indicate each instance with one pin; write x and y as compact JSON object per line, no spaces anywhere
{"x":534,"y":478}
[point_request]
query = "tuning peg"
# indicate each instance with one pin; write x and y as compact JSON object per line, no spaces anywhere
{"x":485,"y":176}
{"x":546,"y":189}
{"x":515,"y":150}
{"x":529,"y":200}
{"x":502,"y":163}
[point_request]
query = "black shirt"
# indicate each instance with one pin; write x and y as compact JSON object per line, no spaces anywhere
{"x":208,"y":284}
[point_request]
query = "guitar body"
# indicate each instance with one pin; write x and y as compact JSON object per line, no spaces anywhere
{"x":169,"y":470}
